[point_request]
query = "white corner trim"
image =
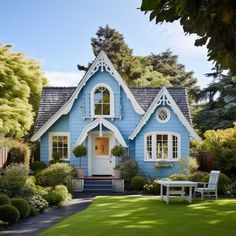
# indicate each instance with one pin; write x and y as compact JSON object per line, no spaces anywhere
{"x":107,"y":124}
{"x":101,"y":61}
{"x":50,"y":135}
{"x":171,"y":102}
{"x":112,"y":105}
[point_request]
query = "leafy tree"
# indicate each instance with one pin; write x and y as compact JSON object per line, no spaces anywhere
{"x":219,"y":111}
{"x":174,"y":73}
{"x":212,"y":20}
{"x":112,"y":43}
{"x":20,"y":87}
{"x":151,"y":78}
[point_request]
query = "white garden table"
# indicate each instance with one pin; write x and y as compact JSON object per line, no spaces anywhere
{"x":178,"y":191}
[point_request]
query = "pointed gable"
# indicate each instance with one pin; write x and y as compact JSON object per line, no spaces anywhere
{"x":164,"y":98}
{"x":102,"y":63}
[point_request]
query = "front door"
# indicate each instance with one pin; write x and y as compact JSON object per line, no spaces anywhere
{"x":102,"y":162}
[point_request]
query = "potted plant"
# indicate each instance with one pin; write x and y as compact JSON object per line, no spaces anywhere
{"x":119,"y":152}
{"x":80,"y":151}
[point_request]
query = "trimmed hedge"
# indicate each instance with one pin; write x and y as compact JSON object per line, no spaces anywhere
{"x":22,"y":205}
{"x":53,"y":198}
{"x":9,"y":214}
{"x":38,"y":166}
{"x":137,"y":183}
{"x":4,"y":199}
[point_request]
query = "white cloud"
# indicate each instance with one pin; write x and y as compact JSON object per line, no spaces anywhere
{"x":63,"y":79}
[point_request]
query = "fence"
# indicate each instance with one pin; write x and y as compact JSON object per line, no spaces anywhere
{"x":3,"y":156}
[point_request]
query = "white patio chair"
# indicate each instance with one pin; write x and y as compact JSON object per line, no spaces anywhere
{"x":209,"y":188}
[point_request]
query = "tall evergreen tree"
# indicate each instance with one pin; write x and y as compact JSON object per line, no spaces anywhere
{"x":219,"y":109}
{"x":113,"y":44}
{"x":21,"y":83}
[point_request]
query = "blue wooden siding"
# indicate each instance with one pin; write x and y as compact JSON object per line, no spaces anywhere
{"x":62,"y":125}
{"x":126,"y":121}
{"x":173,"y":125}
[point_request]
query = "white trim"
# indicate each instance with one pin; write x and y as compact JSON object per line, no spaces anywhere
{"x":107,"y":124}
{"x":50,"y":135}
{"x":170,"y":147}
{"x":168,"y":114}
{"x":171,"y":102}
{"x":112,"y":106}
{"x":101,"y":61}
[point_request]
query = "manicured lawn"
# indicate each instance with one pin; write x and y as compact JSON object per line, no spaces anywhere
{"x":134,"y":216}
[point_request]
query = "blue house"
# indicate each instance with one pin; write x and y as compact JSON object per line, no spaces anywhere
{"x":153,"y":124}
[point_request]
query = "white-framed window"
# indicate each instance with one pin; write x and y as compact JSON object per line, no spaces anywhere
{"x":162,"y":146}
{"x":163,"y":114}
{"x":102,"y":101}
{"x":59,"y":143}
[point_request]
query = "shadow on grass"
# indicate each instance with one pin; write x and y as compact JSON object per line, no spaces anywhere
{"x":147,"y":215}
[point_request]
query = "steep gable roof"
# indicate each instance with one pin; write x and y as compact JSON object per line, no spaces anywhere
{"x":146,"y":95}
{"x":101,"y":62}
{"x":164,"y":97}
{"x":52,"y":99}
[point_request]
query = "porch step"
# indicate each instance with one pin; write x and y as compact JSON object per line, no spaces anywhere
{"x":94,"y":185}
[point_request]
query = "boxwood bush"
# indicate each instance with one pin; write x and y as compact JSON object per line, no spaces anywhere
{"x":4,"y":199}
{"x":37,"y":166}
{"x":137,"y":183}
{"x":22,"y":206}
{"x":9,"y":214}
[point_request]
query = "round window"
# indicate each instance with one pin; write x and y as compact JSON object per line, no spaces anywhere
{"x":163,"y":114}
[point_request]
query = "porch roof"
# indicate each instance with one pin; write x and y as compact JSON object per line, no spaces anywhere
{"x":107,"y":124}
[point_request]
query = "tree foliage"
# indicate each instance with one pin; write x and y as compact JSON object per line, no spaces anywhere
{"x":112,"y":43}
{"x":167,"y":65}
{"x":212,"y":20}
{"x":219,"y":110}
{"x":144,"y":71}
{"x":222,"y":144}
{"x":21,"y":83}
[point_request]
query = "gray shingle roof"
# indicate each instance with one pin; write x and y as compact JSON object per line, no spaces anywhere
{"x":53,"y":98}
{"x":146,"y":95}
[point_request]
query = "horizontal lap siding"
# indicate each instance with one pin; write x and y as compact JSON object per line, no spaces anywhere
{"x":62,"y":125}
{"x":173,"y":125}
{"x":123,"y":109}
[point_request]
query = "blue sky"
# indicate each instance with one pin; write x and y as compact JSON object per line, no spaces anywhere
{"x":58,"y":33}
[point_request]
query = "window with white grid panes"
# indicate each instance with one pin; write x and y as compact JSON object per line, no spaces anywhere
{"x":60,"y":146}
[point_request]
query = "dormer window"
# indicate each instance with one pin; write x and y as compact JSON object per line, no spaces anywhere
{"x":102,"y":101}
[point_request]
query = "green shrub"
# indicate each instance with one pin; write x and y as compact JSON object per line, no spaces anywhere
{"x":188,"y":165}
{"x":4,"y":199}
{"x":14,"y":181}
{"x":151,"y":187}
{"x":223,"y":185}
{"x":38,"y":166}
{"x":233,"y":188}
{"x":197,"y":176}
{"x":222,"y":145}
{"x":63,"y":192}
{"x":37,"y":204}
{"x":178,"y":177}
{"x":9,"y":214}
{"x":129,"y":170}
{"x":56,"y":174}
{"x":53,"y":198}
{"x":137,"y":183}
{"x":22,"y":205}
{"x":33,"y":211}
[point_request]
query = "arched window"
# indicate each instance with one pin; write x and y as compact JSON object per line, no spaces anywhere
{"x":102,"y":101}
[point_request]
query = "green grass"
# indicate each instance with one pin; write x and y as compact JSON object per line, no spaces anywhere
{"x":134,"y":216}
